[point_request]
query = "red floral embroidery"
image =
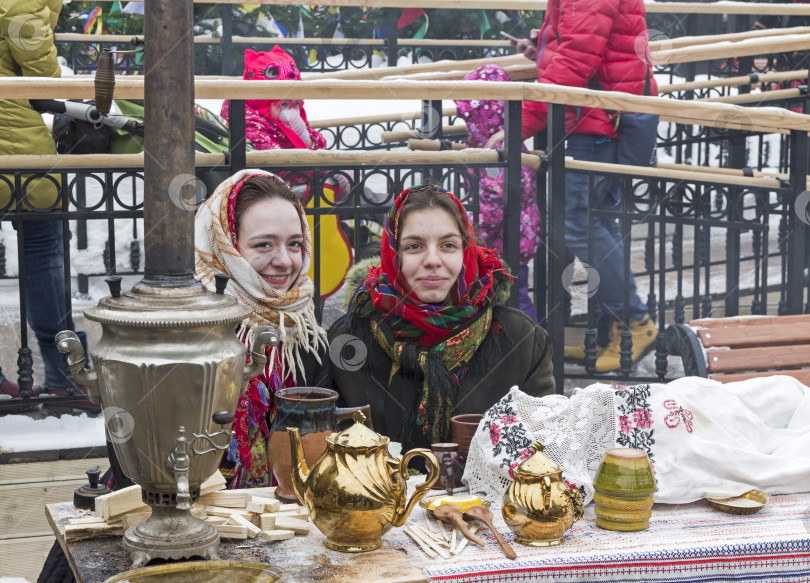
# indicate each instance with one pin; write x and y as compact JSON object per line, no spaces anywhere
{"x":494,"y":433}
{"x":642,"y":418}
{"x":624,"y":423}
{"x":508,"y":419}
{"x":676,"y":414}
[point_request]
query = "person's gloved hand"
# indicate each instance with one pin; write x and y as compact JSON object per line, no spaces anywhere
{"x":291,"y":118}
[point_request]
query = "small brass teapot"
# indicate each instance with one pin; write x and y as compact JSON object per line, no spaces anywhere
{"x":356,"y":491}
{"x":539,"y":506}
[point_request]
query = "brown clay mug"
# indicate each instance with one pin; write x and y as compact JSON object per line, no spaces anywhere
{"x":464,"y":427}
{"x":313,"y":411}
{"x":451,"y":466}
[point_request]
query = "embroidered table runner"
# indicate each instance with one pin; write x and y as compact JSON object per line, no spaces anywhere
{"x":685,"y":543}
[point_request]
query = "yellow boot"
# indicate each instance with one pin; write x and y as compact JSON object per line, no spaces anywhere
{"x":644,"y":333}
{"x":578,"y":352}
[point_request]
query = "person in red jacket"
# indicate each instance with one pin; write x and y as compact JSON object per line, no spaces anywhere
{"x":598,"y":44}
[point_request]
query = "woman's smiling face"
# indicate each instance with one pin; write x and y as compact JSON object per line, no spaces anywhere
{"x":431,"y":253}
{"x":271,"y":240}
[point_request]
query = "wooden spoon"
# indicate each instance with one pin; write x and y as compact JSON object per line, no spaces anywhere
{"x":485,"y":516}
{"x":452,"y":514}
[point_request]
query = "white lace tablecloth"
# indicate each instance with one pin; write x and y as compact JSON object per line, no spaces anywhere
{"x":685,"y":543}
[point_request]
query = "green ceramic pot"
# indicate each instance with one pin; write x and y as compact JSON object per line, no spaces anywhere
{"x":624,"y":485}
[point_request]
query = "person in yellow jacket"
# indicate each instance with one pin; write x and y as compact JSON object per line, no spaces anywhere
{"x":27,"y":50}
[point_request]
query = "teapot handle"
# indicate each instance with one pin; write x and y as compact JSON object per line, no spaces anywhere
{"x":401,"y":515}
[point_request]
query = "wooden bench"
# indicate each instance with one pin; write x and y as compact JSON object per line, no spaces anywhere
{"x":744,"y":347}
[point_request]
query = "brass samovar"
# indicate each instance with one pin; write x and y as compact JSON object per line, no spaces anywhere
{"x":168,"y":369}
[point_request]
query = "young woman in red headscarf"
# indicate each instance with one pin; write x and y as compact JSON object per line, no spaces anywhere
{"x":426,"y":336}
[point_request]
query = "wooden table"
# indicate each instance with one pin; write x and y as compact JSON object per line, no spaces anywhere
{"x":305,"y":557}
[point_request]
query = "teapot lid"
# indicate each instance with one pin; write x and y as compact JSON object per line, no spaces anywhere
{"x":358,"y":435}
{"x":538,"y":464}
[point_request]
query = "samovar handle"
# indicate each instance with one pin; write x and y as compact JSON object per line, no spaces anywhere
{"x":264,"y":336}
{"x":223,"y":418}
{"x":67,"y":342}
{"x":401,"y":514}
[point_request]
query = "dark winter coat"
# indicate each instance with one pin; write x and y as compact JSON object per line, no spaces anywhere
{"x":586,"y":40}
{"x":514,"y":352}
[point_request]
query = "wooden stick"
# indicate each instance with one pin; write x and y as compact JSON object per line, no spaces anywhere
{"x":443,"y":530}
{"x":428,"y":541}
{"x":453,"y":541}
{"x":686,"y":41}
{"x":428,"y":551}
{"x":724,"y":50}
{"x":753,"y":8}
{"x":734,"y":81}
{"x":428,"y":522}
{"x":460,"y":547}
{"x":432,"y":145}
{"x":401,"y":136}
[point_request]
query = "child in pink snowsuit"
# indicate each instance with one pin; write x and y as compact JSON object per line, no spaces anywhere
{"x":483,"y":119}
{"x":281,"y":124}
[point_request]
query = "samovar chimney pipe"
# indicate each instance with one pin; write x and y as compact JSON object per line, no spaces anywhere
{"x":169,"y":184}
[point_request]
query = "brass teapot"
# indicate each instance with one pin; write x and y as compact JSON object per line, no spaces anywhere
{"x":539,"y":506}
{"x":356,"y":491}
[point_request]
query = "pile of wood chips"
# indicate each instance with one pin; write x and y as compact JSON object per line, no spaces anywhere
{"x":236,"y":514}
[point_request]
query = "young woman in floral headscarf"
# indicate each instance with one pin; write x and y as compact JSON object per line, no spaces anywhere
{"x":426,"y":337}
{"x":253,"y":229}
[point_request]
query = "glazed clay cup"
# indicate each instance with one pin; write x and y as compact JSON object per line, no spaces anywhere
{"x":313,"y":412}
{"x":464,"y":427}
{"x":624,"y":485}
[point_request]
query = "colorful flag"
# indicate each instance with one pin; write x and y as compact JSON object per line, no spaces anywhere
{"x":409,"y":16}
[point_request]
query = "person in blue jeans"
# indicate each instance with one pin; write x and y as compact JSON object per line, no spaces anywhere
{"x":602,"y":43}
{"x":44,"y":301}
{"x":28,"y":50}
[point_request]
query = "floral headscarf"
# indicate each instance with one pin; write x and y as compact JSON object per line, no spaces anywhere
{"x":405,"y":314}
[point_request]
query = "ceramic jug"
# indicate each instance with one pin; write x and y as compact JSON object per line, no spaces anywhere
{"x":355,"y":492}
{"x":313,"y":412}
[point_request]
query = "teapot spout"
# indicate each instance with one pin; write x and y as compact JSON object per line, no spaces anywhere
{"x":300,"y":470}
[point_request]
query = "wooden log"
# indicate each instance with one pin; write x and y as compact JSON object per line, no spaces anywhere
{"x":734,"y":81}
{"x":267,"y":521}
{"x":87,"y":520}
{"x":76,"y":532}
{"x":226,"y":499}
{"x":376,"y":118}
{"x":754,"y":97}
{"x":673,"y":174}
{"x":214,"y":483}
{"x":288,"y":507}
{"x":724,"y":50}
{"x":231,"y":531}
{"x":401,"y":136}
{"x":268,"y":504}
{"x":752,"y":8}
{"x":226,"y":512}
{"x":267,"y":492}
{"x":689,"y":41}
{"x":216,"y":520}
{"x":111,"y":507}
{"x":293,"y":524}
{"x":239,"y":520}
{"x":433,"y":145}
{"x":275,"y":535}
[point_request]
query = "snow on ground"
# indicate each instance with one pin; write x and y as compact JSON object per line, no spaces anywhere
{"x":20,"y":433}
